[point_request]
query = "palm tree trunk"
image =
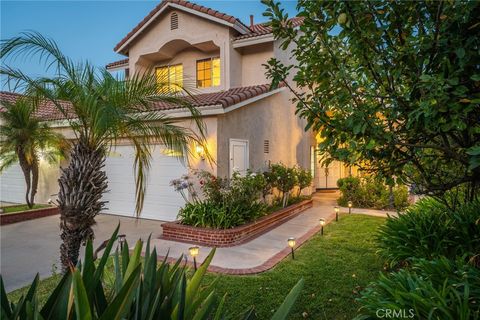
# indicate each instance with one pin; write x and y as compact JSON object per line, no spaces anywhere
{"x":26,"y":169}
{"x":82,"y":185}
{"x":34,"y":187}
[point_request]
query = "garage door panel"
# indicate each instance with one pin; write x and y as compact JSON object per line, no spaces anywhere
{"x":12,"y":185}
{"x":161,"y":202}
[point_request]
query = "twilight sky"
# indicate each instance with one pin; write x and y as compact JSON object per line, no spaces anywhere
{"x":90,"y":29}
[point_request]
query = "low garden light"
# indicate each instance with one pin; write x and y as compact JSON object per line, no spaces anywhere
{"x":337,"y":209}
{"x":322,"y":223}
{"x":350,"y":204}
{"x":291,"y":244}
{"x":194,"y":253}
{"x":121,"y":240}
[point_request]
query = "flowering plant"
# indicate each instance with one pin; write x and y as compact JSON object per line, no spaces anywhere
{"x":184,"y":186}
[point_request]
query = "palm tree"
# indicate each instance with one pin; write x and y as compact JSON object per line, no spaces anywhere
{"x":23,"y":139}
{"x":102,"y":109}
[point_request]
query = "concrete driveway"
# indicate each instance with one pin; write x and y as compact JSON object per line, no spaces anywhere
{"x":33,"y":246}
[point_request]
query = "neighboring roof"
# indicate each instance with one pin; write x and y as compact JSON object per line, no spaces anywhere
{"x":48,"y":111}
{"x":117,"y":64}
{"x":261,"y":29}
{"x":186,"y":4}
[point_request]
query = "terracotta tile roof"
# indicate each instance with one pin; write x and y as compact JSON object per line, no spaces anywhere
{"x":261,"y":29}
{"x":48,"y":111}
{"x":115,"y":64}
{"x":224,"y":98}
{"x":186,"y":4}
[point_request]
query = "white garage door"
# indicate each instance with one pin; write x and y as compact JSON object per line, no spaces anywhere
{"x":12,"y":185}
{"x":161,"y":201}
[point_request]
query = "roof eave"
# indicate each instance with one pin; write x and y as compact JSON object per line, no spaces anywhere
{"x":253,"y":40}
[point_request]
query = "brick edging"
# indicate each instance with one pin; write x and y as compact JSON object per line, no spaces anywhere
{"x":9,"y":218}
{"x":267,"y":265}
{"x":175,"y":231}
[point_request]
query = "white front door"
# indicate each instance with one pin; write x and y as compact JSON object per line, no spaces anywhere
{"x":327,"y":176}
{"x":238,"y":156}
{"x":161,"y":202}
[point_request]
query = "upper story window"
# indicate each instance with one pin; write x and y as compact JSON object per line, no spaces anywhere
{"x":170,"y":78}
{"x":208,"y":72}
{"x":173,"y":21}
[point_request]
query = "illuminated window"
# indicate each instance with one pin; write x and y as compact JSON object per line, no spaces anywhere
{"x":208,"y":73}
{"x":170,"y":78}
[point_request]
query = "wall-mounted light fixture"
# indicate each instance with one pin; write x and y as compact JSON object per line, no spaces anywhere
{"x":200,"y":150}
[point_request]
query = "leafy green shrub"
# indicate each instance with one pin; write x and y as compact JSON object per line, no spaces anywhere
{"x":141,"y":289}
{"x":370,"y":192}
{"x":304,"y":178}
{"x":284,"y":179}
{"x":228,"y":203}
{"x":428,"y":230}
{"x":208,"y":214}
{"x":437,"y":289}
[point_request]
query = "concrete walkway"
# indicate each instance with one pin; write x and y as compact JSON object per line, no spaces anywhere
{"x":264,"y":251}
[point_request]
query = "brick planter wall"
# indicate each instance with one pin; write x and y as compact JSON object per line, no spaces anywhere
{"x":8,"y":218}
{"x":231,"y":237}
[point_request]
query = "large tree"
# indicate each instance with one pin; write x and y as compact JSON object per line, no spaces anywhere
{"x":24,"y":139}
{"x":101,"y":110}
{"x":391,"y":86}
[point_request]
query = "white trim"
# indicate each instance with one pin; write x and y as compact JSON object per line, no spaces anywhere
{"x":236,"y":26}
{"x":118,"y":68}
{"x":182,"y":113}
{"x":230,"y":154}
{"x":253,"y":40}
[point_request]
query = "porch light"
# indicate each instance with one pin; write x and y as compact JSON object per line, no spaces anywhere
{"x":291,"y":244}
{"x":194,"y":253}
{"x":200,"y":150}
{"x":350,"y":204}
{"x":322,"y":223}
{"x":337,"y":209}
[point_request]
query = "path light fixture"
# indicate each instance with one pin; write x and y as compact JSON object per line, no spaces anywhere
{"x":337,"y":209}
{"x":322,"y":223}
{"x":291,"y":244}
{"x":121,"y":240}
{"x":194,"y":253}
{"x":350,"y":204}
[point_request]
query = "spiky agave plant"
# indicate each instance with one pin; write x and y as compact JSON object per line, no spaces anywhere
{"x":100,"y":109}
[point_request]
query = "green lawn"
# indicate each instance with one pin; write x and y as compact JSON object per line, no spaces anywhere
{"x":335,"y":267}
{"x":22,"y":207}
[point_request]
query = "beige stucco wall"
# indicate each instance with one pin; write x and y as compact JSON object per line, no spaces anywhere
{"x":191,"y":29}
{"x":272,"y":118}
{"x":253,"y":58}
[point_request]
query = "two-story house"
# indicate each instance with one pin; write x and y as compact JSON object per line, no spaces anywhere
{"x":219,"y":60}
